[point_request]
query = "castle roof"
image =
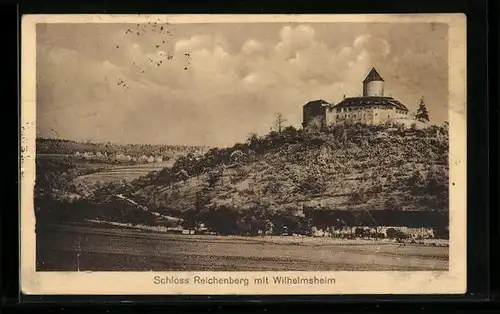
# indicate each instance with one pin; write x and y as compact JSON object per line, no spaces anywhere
{"x":370,"y":101}
{"x":317,"y":102}
{"x":373,"y":76}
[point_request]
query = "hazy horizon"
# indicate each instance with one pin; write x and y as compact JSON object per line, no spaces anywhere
{"x":214,"y":84}
{"x":113,"y":143}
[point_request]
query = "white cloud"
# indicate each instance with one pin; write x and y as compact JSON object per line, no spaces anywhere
{"x":345,"y":52}
{"x":252,"y":46}
{"x":298,"y":60}
{"x":193,"y":43}
{"x":293,"y":39}
{"x":376,"y":45}
{"x":190,"y":98}
{"x":298,"y":37}
{"x":360,"y":41}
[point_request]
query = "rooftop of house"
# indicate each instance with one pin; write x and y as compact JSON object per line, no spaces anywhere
{"x":370,"y":101}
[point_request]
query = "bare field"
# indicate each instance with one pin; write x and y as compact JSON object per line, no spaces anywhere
{"x":107,"y":249}
{"x":109,"y":172}
{"x":127,"y":173}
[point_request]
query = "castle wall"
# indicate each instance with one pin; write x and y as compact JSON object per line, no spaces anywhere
{"x":350,"y":115}
{"x":331,"y":116}
{"x":367,"y":115}
{"x":366,"y":112}
{"x":382,"y":115}
{"x":313,"y":112}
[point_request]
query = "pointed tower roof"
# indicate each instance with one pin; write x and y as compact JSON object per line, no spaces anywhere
{"x":373,"y":76}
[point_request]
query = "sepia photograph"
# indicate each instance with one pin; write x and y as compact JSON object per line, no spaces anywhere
{"x":243,"y":154}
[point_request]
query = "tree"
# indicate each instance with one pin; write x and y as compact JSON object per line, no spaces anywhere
{"x":236,"y":155}
{"x":395,"y":234}
{"x":314,"y":125}
{"x":279,"y":122}
{"x":312,"y":185}
{"x":437,"y":188}
{"x":222,"y":219}
{"x":182,"y":175}
{"x":422,"y":112}
{"x":213,"y":177}
{"x":253,"y":141}
{"x":391,"y":204}
{"x":357,"y":197}
{"x":192,"y":215}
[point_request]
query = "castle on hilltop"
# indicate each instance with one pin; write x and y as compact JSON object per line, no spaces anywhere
{"x":372,"y":108}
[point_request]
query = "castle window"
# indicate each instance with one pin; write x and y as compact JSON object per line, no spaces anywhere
{"x":338,"y":116}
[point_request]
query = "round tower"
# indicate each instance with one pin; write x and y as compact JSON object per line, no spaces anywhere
{"x":373,"y":85}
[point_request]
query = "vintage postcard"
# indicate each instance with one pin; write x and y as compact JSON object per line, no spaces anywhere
{"x":243,"y":154}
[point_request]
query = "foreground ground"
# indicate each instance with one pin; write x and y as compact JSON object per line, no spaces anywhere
{"x":93,"y":248}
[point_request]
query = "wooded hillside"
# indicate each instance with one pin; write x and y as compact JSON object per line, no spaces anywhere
{"x":283,"y":176}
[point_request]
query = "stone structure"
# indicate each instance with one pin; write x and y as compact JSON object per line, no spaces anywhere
{"x":314,"y":112}
{"x":371,"y":108}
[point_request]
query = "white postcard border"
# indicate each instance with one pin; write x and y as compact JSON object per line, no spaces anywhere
{"x":346,"y":282}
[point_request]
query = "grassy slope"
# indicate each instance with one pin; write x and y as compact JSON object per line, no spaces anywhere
{"x":342,"y":169}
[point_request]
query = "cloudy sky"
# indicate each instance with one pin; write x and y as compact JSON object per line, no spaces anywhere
{"x":214,"y":84}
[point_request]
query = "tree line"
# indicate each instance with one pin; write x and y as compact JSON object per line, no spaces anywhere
{"x":68,"y":147}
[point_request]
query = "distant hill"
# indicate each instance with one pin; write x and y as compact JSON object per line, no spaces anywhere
{"x":67,"y":147}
